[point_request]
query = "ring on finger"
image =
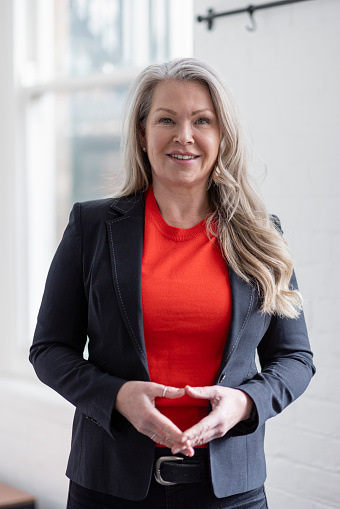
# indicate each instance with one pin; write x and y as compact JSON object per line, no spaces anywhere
{"x":153,"y":436}
{"x":164,"y":391}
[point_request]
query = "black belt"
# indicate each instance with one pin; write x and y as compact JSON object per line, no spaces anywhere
{"x":170,"y":470}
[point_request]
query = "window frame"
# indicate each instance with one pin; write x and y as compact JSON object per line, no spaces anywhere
{"x":35,"y":210}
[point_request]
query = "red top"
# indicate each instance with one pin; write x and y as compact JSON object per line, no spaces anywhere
{"x":186,"y":302}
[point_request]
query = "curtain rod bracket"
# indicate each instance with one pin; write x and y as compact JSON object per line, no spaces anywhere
{"x":208,"y":18}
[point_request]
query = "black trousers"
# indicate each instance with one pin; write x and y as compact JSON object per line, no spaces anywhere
{"x":180,"y":496}
{"x":198,"y":495}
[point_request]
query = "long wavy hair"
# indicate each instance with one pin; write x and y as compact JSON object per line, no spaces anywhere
{"x":248,"y":238}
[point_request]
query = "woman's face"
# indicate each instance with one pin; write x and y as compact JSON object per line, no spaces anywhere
{"x":182,"y":134}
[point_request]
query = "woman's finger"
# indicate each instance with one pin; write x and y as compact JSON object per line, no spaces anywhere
{"x":205,"y":430}
{"x":213,"y":425}
{"x":162,"y":425}
{"x":136,"y":401}
{"x":171,"y":392}
{"x":166,"y":440}
{"x":229,"y":406}
{"x":200,"y":392}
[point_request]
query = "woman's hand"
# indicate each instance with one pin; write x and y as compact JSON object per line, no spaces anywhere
{"x":136,"y":401}
{"x":229,"y":406}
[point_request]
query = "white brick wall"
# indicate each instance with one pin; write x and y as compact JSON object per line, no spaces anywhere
{"x":287,"y":80}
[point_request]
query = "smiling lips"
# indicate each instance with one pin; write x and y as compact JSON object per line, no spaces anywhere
{"x":183,"y":157}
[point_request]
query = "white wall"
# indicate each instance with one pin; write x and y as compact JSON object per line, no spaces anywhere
{"x":35,"y":438}
{"x":286,"y":77}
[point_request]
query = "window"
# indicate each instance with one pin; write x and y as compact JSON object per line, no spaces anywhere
{"x":75,"y":60}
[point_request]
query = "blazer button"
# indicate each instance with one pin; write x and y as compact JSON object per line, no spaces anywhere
{"x":222,"y":377}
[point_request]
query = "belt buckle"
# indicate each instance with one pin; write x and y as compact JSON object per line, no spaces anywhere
{"x":157,"y":472}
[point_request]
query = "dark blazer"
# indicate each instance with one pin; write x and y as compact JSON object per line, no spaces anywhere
{"x":94,"y":289}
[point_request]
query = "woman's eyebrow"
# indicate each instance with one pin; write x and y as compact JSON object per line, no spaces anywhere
{"x":193,"y":113}
{"x":167,"y":110}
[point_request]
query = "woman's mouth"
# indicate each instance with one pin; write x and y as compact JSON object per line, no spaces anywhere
{"x":182,"y":157}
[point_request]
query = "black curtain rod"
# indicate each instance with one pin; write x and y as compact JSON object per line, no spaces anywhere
{"x":250,"y":10}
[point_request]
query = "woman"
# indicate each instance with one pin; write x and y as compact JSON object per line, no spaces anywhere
{"x":176,"y":283}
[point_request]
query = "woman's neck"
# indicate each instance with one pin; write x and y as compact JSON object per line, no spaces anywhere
{"x":181,"y":207}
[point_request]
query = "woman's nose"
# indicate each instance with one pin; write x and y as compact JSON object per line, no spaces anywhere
{"x":184,"y":134}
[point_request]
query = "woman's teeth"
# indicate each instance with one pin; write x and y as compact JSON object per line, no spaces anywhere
{"x":177,"y":156}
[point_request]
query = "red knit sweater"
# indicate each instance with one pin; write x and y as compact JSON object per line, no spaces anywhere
{"x":186,"y":310}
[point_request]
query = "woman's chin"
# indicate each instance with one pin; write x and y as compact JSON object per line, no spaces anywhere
{"x":184,"y":182}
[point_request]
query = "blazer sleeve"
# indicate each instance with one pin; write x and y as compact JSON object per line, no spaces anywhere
{"x":61,"y":334}
{"x":287,"y":366}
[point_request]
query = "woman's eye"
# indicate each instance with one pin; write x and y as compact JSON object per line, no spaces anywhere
{"x":203,"y":121}
{"x":165,"y":121}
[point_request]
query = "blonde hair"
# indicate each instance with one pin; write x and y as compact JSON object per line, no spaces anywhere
{"x":249,"y":241}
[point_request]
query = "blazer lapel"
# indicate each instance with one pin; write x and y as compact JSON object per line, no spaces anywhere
{"x":126,"y":234}
{"x":243,"y":295}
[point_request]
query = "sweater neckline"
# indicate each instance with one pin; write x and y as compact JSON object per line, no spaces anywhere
{"x":177,"y":234}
